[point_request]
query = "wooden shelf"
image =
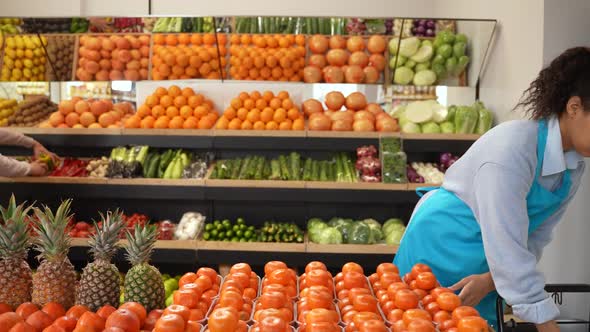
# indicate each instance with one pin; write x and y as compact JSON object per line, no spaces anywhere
{"x":255,"y":184}
{"x":243,"y":133}
{"x":251,"y":246}
{"x":355,"y":185}
{"x":414,"y":186}
{"x":105,"y":181}
{"x":160,"y":244}
{"x":378,"y":249}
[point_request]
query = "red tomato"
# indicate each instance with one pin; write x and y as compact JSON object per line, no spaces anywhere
{"x":472,"y":324}
{"x":448,"y":301}
{"x":426,"y":280}
{"x":464,"y":311}
{"x":413,"y":314}
{"x":406,"y":299}
{"x":419,"y":268}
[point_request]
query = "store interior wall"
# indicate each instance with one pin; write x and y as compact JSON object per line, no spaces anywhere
{"x":529,"y":34}
{"x":565,"y":260}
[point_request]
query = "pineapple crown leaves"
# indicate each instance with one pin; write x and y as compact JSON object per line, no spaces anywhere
{"x":53,"y":240}
{"x":140,"y":244}
{"x":103,"y":244}
{"x":14,"y":232}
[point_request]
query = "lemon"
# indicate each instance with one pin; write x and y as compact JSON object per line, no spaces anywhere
{"x":44,"y":40}
{"x":38,"y":52}
{"x":27,"y":73}
{"x":17,"y":74}
{"x":8,"y":63}
{"x":35,"y":71}
{"x":10,"y":43}
{"x":20,"y":53}
{"x":42,"y":60}
{"x":10,"y":52}
{"x":28,"y":63}
{"x":18,"y":64}
{"x":6,"y":71}
{"x":41,"y":76}
{"x":29,"y":44}
{"x":18,"y":40}
{"x":29,"y":54}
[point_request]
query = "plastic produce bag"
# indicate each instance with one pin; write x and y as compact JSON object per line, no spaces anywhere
{"x":394,"y":167}
{"x":465,"y":120}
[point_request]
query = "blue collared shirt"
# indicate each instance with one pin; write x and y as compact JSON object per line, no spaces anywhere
{"x":493,"y":178}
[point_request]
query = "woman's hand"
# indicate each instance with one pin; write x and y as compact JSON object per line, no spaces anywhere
{"x":38,"y":169}
{"x":474,"y":288}
{"x":39,"y":150}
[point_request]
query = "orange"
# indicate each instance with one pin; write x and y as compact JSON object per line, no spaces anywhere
{"x":208,"y":39}
{"x":271,"y":61}
{"x":277,"y":73}
{"x":258,"y":125}
{"x":196,"y":100}
{"x":246,"y":125}
{"x":148,"y":122}
{"x":162,"y":122}
{"x":143,"y":111}
{"x":230,"y":113}
{"x":242,"y":113}
{"x":196,"y":39}
{"x":285,"y":125}
{"x":180,"y":101}
{"x":223,"y":123}
{"x":184,"y":39}
{"x":236,"y":103}
{"x":172,"y":111}
{"x":200,"y":111}
{"x":298,"y":124}
{"x":187,"y":92}
{"x":261,"y":104}
{"x":287,"y":103}
{"x":235,"y":124}
{"x":171,"y":40}
{"x":283,"y":95}
{"x":249,"y":104}
{"x":186,"y":111}
{"x":268,"y":96}
{"x":245,"y":39}
{"x":205,"y":69}
{"x":133,"y":122}
{"x":300,"y":40}
{"x":158,"y":111}
{"x":275,"y":103}
{"x":176,"y":122}
{"x":166,"y":101}
{"x":271,"y":125}
{"x":280,"y":115}
{"x":152,"y":100}
{"x":244,"y":95}
{"x":174,"y":91}
{"x":253,"y":115}
{"x":293,"y":114}
{"x":267,"y":114}
{"x":159,"y":39}
{"x":182,"y":60}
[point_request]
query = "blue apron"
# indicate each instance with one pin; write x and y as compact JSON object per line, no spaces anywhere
{"x":444,"y":234}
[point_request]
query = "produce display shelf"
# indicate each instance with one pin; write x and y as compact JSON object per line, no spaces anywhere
{"x":367,"y":249}
{"x":445,"y":137}
{"x":251,"y":246}
{"x":414,"y":186}
{"x":217,"y":183}
{"x":160,"y":244}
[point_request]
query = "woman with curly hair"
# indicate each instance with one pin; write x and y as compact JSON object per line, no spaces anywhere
{"x":484,"y":230}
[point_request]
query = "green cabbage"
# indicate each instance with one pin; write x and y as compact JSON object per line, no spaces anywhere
{"x":403,"y":76}
{"x":445,"y":51}
{"x":393,"y":43}
{"x":391,"y":224}
{"x":451,"y":66}
{"x":419,"y":111}
{"x":411,"y":128}
{"x":329,"y":235}
{"x":422,"y":66}
{"x":313,"y":222}
{"x":439,"y":70}
{"x":410,"y":64}
{"x":465,"y":120}
{"x":395,"y":236}
{"x":459,"y":49}
{"x":424,"y":53}
{"x":409,"y":46}
{"x":441,"y":114}
{"x":376,"y":235}
{"x":401,"y":60}
{"x":314,"y":227}
{"x":398,"y":110}
{"x":447,"y":127}
{"x":342,"y":225}
{"x":452,"y":109}
{"x":430,"y":128}
{"x":360,"y":233}
{"x":425,"y":77}
{"x":447,"y":36}
{"x":372,"y":223}
{"x":460,"y":38}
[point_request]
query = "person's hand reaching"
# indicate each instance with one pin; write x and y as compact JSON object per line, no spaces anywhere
{"x":474,"y":288}
{"x":38,"y":169}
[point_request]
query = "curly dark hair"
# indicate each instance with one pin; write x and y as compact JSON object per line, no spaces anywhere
{"x":567,"y":76}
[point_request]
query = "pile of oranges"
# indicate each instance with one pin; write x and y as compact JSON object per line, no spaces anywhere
{"x":187,"y":56}
{"x":262,"y":111}
{"x":115,"y":57}
{"x":80,"y":113}
{"x":267,"y":57}
{"x":174,"y":108}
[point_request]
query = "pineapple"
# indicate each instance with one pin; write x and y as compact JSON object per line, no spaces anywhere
{"x":55,"y":278}
{"x":14,"y":245}
{"x":143,"y":282}
{"x":100,"y":281}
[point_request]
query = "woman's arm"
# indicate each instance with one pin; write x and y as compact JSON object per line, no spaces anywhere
{"x":501,"y":210}
{"x":10,"y":137}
